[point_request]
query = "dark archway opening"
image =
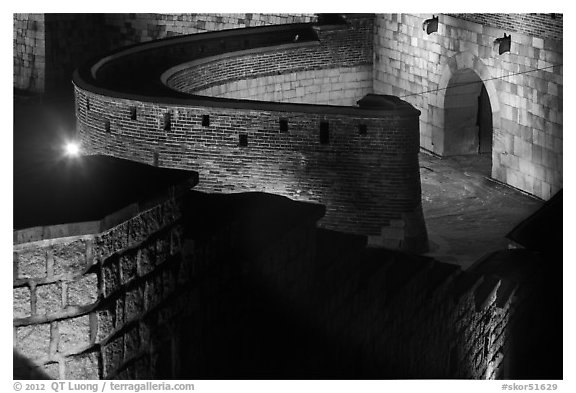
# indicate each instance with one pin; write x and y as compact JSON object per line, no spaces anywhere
{"x":467,"y":116}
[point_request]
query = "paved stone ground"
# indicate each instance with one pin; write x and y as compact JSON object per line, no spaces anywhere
{"x":467,"y":214}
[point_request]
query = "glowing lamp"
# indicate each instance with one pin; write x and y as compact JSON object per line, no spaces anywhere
{"x":72,"y":149}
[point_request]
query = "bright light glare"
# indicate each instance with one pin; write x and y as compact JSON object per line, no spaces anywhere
{"x":72,"y":149}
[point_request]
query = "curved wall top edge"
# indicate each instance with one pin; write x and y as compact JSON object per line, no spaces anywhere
{"x":190,"y":38}
{"x":166,"y":75}
{"x":84,"y":77}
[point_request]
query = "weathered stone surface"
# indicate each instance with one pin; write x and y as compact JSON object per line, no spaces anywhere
{"x":33,"y":341}
{"x":48,"y":298}
{"x":132,"y":342}
{"x":70,"y":257}
{"x":83,"y":366}
{"x":21,"y":302}
{"x":128,"y":266}
{"x":103,"y":323}
{"x":120,"y":311}
{"x":32,"y":263}
{"x":74,"y":334}
{"x":146,"y":259}
{"x":110,"y":278}
{"x":83,"y":291}
{"x":52,"y":370}
{"x":114,"y":240}
{"x":134,"y":303}
{"x":112,"y":356}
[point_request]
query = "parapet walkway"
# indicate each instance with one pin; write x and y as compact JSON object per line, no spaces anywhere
{"x":467,"y":214}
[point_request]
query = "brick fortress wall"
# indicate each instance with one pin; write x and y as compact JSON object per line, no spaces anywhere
{"x":526,"y":108}
{"x":336,"y":70}
{"x":364,"y":168}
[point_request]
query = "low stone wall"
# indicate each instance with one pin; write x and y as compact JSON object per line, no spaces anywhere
{"x":76,"y":298}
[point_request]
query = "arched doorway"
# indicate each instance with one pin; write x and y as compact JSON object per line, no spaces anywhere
{"x":468,"y":125}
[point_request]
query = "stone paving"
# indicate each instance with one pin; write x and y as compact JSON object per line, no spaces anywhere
{"x":467,"y":214}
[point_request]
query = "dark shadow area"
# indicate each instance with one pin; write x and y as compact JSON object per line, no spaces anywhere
{"x":24,"y":369}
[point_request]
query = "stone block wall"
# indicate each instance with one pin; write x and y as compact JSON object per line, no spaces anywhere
{"x":48,"y":47}
{"x":29,"y":52}
{"x":71,"y":40}
{"x":335,"y":86}
{"x":140,"y":300}
{"x":79,"y":301}
{"x":166,"y":294}
{"x":524,"y":87}
{"x":334,"y":70}
{"x":130,"y":29}
{"x":398,"y":316}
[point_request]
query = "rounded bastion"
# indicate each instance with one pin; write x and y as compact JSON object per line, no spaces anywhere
{"x":285,"y":109}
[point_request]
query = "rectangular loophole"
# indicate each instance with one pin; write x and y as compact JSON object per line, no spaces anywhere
{"x":205,"y":120}
{"x":87,"y":104}
{"x":324,"y":133}
{"x":167,"y":121}
{"x":107,"y":125}
{"x":362,"y":129}
{"x":283,"y":125}
{"x":242,"y":140}
{"x":156,"y":158}
{"x":133,"y":114}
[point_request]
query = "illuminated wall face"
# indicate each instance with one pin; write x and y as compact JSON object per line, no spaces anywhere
{"x":368,"y":180}
{"x":526,"y":106}
{"x":361,"y":163}
{"x":334,"y":86}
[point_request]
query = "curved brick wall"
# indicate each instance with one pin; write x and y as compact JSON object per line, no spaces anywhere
{"x":366,"y":171}
{"x":335,"y":86}
{"x":335,"y":70}
{"x":527,"y":109}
